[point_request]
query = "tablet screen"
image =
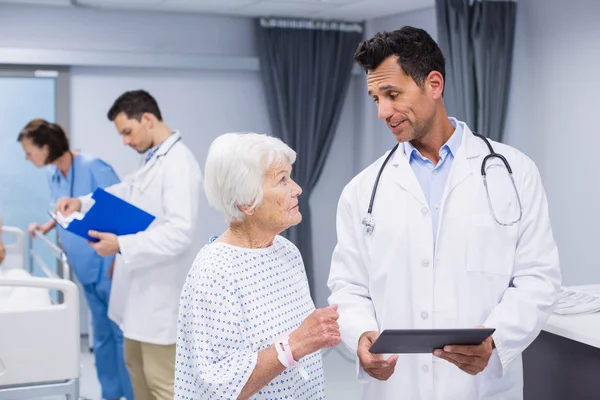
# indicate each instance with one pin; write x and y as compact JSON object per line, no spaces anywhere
{"x":395,"y":341}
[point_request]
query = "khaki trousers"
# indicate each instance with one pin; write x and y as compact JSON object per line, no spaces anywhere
{"x":151,"y":368}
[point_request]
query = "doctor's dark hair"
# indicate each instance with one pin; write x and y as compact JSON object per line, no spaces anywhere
{"x":418,"y":54}
{"x":134,"y":104}
{"x":43,"y":133}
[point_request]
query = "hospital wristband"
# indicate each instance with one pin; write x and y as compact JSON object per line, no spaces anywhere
{"x":286,"y":358}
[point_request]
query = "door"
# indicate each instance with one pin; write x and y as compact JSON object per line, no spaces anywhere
{"x":25,"y":196}
{"x":27,"y":93}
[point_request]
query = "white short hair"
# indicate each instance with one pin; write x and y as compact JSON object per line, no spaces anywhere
{"x":235,"y":169}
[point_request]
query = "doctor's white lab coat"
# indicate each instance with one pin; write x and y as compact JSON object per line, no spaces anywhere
{"x":480,"y":273}
{"x":151,"y":269}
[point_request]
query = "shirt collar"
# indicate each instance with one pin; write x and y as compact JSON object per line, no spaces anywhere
{"x":451,"y":146}
{"x":175,"y":135}
{"x":55,"y":173}
{"x":151,"y":152}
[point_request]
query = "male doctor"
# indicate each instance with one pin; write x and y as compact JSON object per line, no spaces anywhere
{"x":437,"y":257}
{"x":152,"y":265}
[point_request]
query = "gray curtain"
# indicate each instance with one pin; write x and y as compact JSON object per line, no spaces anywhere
{"x":453,"y":20}
{"x":477,"y":39}
{"x":306,"y":68}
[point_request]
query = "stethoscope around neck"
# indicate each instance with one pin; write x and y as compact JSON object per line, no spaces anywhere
{"x":71,"y":190}
{"x":146,"y":165}
{"x":368,"y":222}
{"x":165,"y":152}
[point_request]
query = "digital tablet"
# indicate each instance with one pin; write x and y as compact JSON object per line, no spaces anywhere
{"x":396,"y":341}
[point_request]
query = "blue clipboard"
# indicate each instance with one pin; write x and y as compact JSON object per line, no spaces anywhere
{"x":110,"y":214}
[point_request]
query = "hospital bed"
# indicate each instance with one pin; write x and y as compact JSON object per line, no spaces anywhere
{"x":39,"y":342}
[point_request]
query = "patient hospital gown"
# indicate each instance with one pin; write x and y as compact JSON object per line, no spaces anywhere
{"x":236,"y":302}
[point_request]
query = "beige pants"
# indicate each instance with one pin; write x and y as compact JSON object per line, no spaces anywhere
{"x":152,"y":369}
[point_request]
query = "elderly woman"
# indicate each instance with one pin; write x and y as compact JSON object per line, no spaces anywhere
{"x":247,"y":325}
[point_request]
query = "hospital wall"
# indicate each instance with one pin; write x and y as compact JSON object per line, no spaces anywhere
{"x":553,"y":117}
{"x":70,"y":28}
{"x":200,"y":103}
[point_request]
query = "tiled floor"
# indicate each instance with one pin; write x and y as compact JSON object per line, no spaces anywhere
{"x":89,"y":387}
{"x":340,"y":373}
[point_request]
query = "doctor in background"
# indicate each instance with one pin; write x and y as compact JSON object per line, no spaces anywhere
{"x":73,"y":173}
{"x":151,"y":266}
{"x":436,"y":256}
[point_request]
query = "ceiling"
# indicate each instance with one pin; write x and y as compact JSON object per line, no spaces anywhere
{"x":349,"y":10}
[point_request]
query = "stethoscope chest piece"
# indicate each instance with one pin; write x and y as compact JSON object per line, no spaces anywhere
{"x":368,"y":224}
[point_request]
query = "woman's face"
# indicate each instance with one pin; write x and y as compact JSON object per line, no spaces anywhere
{"x":279,"y":208}
{"x":37,"y":155}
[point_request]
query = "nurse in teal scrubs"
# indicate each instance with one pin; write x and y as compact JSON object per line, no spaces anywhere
{"x":72,"y":174}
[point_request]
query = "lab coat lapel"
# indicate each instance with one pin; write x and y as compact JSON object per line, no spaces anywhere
{"x":463,"y":165}
{"x":163,"y":149}
{"x":144,"y":175}
{"x":146,"y":166}
{"x":405,"y":176}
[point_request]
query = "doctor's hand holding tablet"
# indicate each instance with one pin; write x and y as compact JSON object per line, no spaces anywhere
{"x":468,"y":349}
{"x":472,"y":359}
{"x":375,"y":364}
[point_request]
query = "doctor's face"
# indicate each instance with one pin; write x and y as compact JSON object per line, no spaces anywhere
{"x":407,"y":109}
{"x":135,"y":134}
{"x":37,"y":155}
{"x":279,"y":207}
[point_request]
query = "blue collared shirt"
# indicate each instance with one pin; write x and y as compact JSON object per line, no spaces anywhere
{"x":432,"y":178}
{"x":151,"y":152}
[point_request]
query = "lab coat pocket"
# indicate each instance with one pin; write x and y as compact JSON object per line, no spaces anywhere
{"x":491,"y":247}
{"x":121,"y":285}
{"x":144,"y":179}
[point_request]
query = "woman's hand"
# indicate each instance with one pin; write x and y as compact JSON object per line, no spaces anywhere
{"x":67,"y":205}
{"x":319,"y":330}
